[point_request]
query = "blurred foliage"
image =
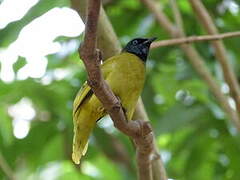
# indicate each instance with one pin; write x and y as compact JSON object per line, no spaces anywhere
{"x":196,"y":139}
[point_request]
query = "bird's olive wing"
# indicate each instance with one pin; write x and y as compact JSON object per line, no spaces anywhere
{"x":83,"y":94}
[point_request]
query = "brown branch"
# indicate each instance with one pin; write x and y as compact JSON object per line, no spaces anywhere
{"x":107,"y":40}
{"x":140,"y":131}
{"x":161,"y":18}
{"x":108,"y":44}
{"x":193,"y":54}
{"x":177,"y":17}
{"x":196,"y":60}
{"x":6,"y":168}
{"x":158,"y":169}
{"x":192,"y":39}
{"x":220,"y":52}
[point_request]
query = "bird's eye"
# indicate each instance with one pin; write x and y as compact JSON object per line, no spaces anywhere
{"x":135,"y":42}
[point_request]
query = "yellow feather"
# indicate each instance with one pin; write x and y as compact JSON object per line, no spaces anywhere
{"x":125,"y":74}
{"x":85,"y":149}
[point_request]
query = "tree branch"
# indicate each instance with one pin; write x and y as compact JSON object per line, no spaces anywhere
{"x":158,"y":169}
{"x":161,"y":18}
{"x":196,"y":60}
{"x":192,"y":39}
{"x":108,"y":44}
{"x":107,"y":40}
{"x":220,"y":52}
{"x":140,"y":131}
{"x":177,"y":17}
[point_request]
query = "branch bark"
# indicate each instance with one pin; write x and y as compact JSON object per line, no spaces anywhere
{"x":192,"y":39}
{"x":177,"y":17}
{"x":107,"y":40}
{"x":220,"y":50}
{"x":158,"y":169}
{"x":140,"y":131}
{"x":195,"y":59}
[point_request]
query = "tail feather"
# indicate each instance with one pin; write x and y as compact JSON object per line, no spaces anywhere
{"x":85,"y":149}
{"x":80,"y":142}
{"x":84,"y":120}
{"x":77,"y":154}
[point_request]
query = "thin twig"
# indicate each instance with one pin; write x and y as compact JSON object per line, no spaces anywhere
{"x":196,"y":60}
{"x":140,"y":131}
{"x":160,"y":17}
{"x":177,"y":17}
{"x":6,"y":168}
{"x":192,"y":39}
{"x":220,"y":52}
{"x":195,"y":55}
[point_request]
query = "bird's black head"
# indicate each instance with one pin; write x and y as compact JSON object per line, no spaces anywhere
{"x":139,"y":47}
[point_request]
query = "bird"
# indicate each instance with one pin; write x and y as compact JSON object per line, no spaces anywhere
{"x":125,"y":75}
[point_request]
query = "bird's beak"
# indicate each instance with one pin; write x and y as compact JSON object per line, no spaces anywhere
{"x":150,"y":40}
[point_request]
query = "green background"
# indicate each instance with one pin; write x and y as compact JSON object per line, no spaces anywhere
{"x":196,"y":140}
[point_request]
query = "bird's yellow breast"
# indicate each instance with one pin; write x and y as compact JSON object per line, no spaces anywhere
{"x":125,"y":74}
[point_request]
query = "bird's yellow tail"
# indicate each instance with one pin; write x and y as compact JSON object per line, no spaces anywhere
{"x":85,"y":116}
{"x":78,"y":153}
{"x":82,"y":131}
